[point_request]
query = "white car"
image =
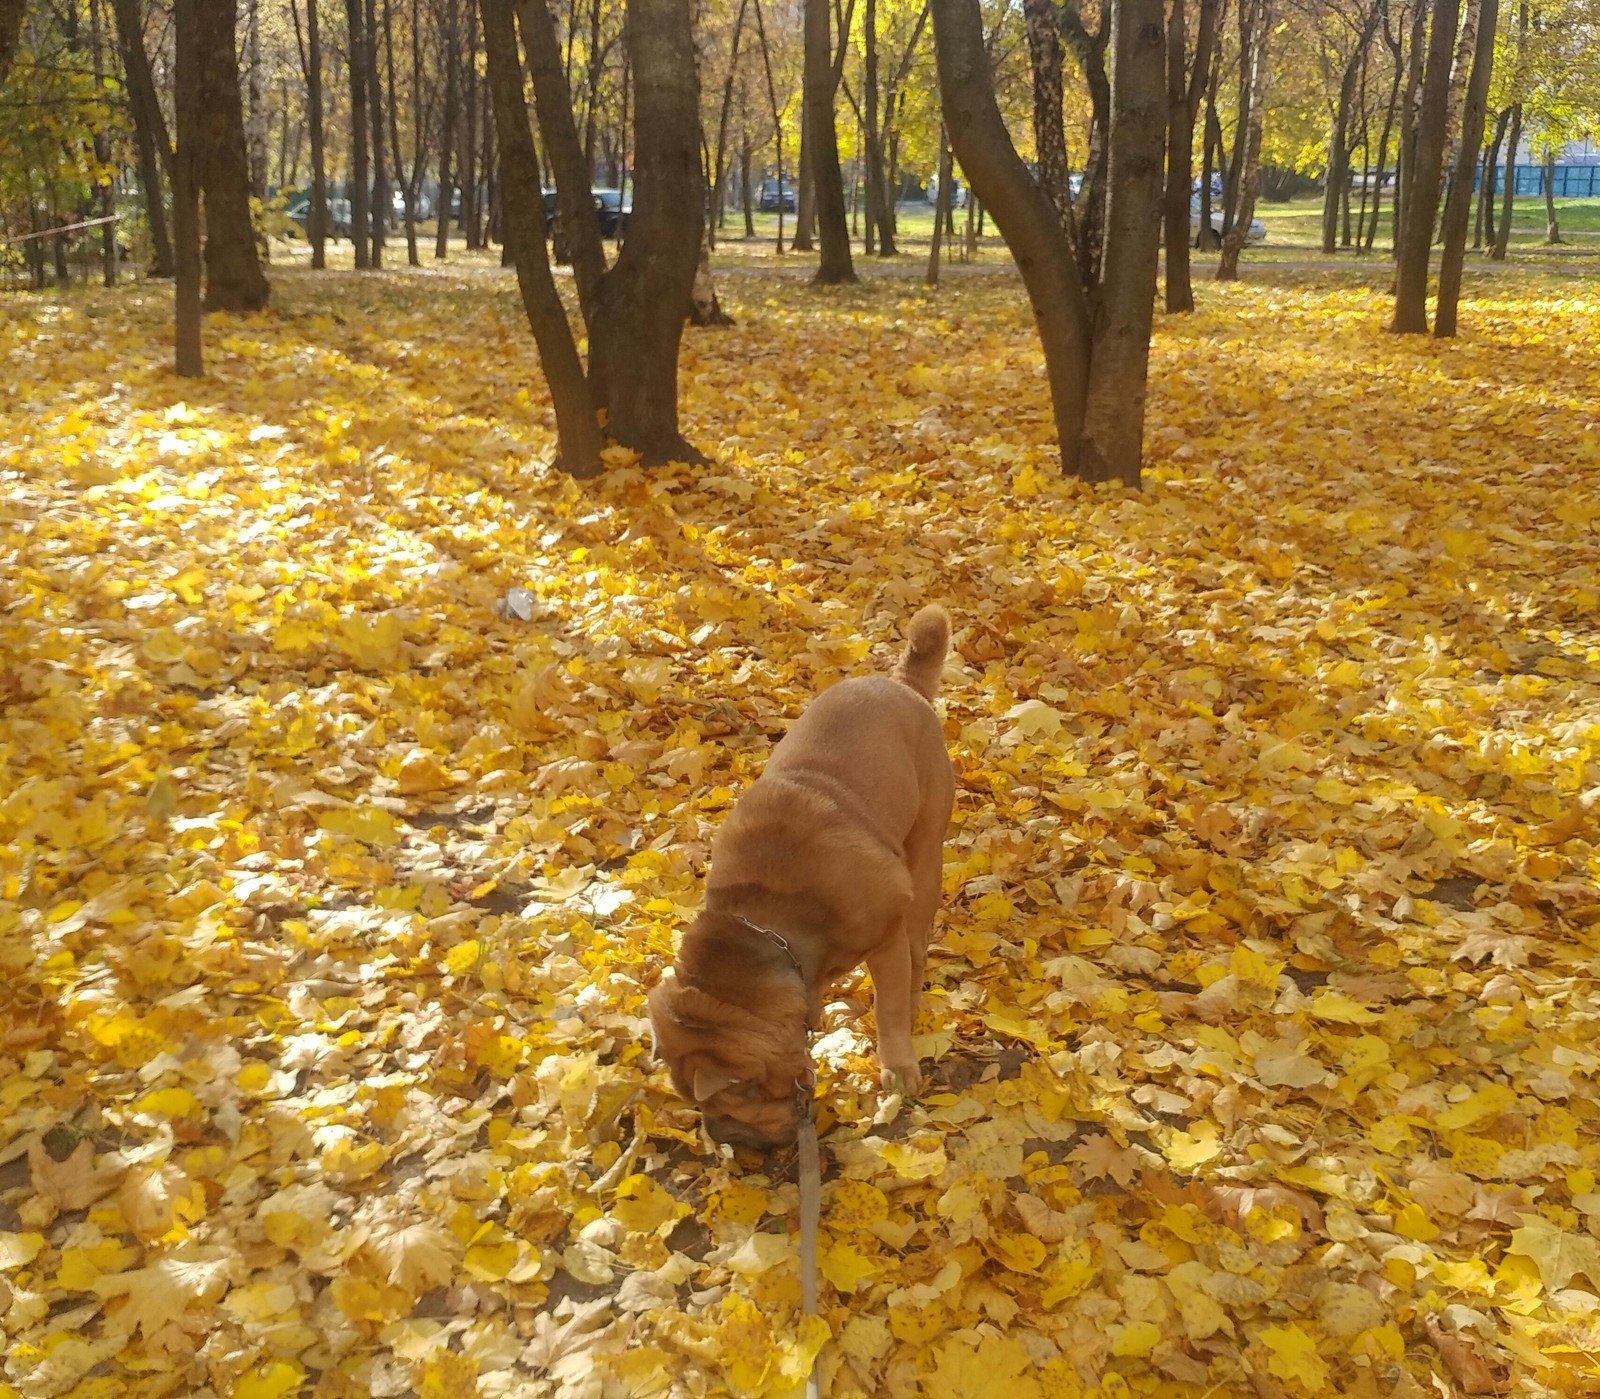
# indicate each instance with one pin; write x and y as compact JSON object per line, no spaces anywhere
{"x":1257,"y":233}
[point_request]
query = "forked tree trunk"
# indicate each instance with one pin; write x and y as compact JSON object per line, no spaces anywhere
{"x":1552,"y":225}
{"x":1255,"y":25}
{"x":833,"y":230}
{"x":359,"y":188}
{"x":234,"y":279}
{"x":1049,"y":133}
{"x":187,"y":357}
{"x":563,"y":154}
{"x":802,"y":221}
{"x":1422,"y":197}
{"x":1185,"y":88}
{"x":1488,"y":182}
{"x":1025,"y":216}
{"x":1458,"y":203}
{"x":577,"y":430}
{"x":149,"y":130}
{"x":1384,"y":135}
{"x":1508,"y":200}
{"x":1406,"y":160}
{"x":644,"y":299}
{"x":1113,"y":429}
{"x":1089,"y":209}
{"x":719,"y":161}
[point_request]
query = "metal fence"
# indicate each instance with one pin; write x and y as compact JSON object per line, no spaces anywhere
{"x":1571,"y":181}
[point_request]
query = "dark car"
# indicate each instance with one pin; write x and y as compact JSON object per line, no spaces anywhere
{"x":775,"y":194}
{"x":609,"y":209}
{"x":299,"y":212}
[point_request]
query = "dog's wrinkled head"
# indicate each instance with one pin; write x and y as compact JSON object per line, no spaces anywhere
{"x":739,"y":1068}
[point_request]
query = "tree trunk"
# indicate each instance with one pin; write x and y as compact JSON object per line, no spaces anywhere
{"x":563,"y":153}
{"x":360,"y":185}
{"x":577,"y":431}
{"x":408,"y":188}
{"x":259,"y":119}
{"x":746,"y":194}
{"x":1458,"y":203}
{"x":1422,"y":197}
{"x":381,"y":205}
{"x":704,"y":308}
{"x":1406,"y":159}
{"x":805,"y":190}
{"x":234,"y":279}
{"x":317,"y":211}
{"x":880,"y":203}
{"x":187,"y":97}
{"x":1025,"y":216}
{"x":644,"y":299}
{"x":467,"y":158}
{"x":1089,"y":209}
{"x":10,"y":29}
{"x":1383,"y":137}
{"x":447,"y":127}
{"x":1339,"y":144}
{"x":1466,"y":46}
{"x":1120,"y":357}
{"x":1255,"y":25}
{"x":149,"y":130}
{"x":801,"y":219}
{"x":1185,"y":86}
{"x":1049,"y":134}
{"x":1552,"y":225}
{"x":1213,"y":158}
{"x":720,"y":159}
{"x":1488,"y":183}
{"x":833,"y":229}
{"x":102,"y":155}
{"x":941,"y":206}
{"x":1508,"y":200}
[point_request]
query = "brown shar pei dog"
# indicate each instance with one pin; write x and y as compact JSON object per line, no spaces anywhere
{"x":832,"y":858}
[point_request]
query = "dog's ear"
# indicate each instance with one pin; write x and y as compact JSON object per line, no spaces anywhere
{"x":709,"y":1082}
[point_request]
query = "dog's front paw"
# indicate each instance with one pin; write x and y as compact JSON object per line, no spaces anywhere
{"x":905,"y":1079}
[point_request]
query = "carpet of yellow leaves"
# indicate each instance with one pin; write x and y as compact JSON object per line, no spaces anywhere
{"x":332,"y":871}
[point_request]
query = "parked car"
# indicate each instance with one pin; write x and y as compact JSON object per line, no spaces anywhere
{"x":609,"y":207}
{"x":773,"y":194}
{"x":299,"y":212}
{"x":1257,"y":233}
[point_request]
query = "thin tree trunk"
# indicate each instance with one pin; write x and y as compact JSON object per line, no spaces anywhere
{"x":577,"y":430}
{"x":563,"y":153}
{"x":880,"y":205}
{"x":801,"y":224}
{"x":1407,"y":158}
{"x":360,"y":186}
{"x":746,"y":193}
{"x":149,"y":130}
{"x":1253,"y":33}
{"x":1422,"y":198}
{"x":1185,"y":87}
{"x":643,"y":300}
{"x":1383,"y":140}
{"x":1089,"y":209}
{"x":1113,"y":429}
{"x":234,"y":279}
{"x":1488,"y":182}
{"x":805,"y":184}
{"x":188,"y":357}
{"x":1508,"y":200}
{"x":1458,"y":203}
{"x":381,"y":205}
{"x":835,"y":265}
{"x":1552,"y":225}
{"x":1213,"y":158}
{"x":408,"y":187}
{"x":1026,"y":218}
{"x":257,"y":126}
{"x":1045,"y":55}
{"x":311,"y":64}
{"x":941,"y":206}
{"x":1338,"y":184}
{"x":719,"y":161}
{"x":1466,"y":46}
{"x":447,"y":128}
{"x":102,"y":155}
{"x":471,"y":179}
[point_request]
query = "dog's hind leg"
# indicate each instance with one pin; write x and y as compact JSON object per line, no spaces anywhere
{"x":894,"y":1004}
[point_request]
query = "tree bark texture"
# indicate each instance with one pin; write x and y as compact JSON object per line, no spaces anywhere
{"x":1025,"y":216}
{"x":833,"y":231}
{"x":880,"y":204}
{"x":1255,"y":27}
{"x":1489,"y":182}
{"x":1422,"y":197}
{"x":1458,"y":203}
{"x":1185,"y":88}
{"x":149,"y":130}
{"x":941,"y":206}
{"x":234,"y":279}
{"x":317,"y":213}
{"x":1120,"y":356}
{"x":577,"y":431}
{"x":1089,"y":210}
{"x":1552,"y":225}
{"x":1045,"y":55}
{"x":380,"y":173}
{"x":1406,"y":160}
{"x":563,"y":152}
{"x":1508,"y":200}
{"x":188,"y":358}
{"x":644,"y":299}
{"x":359,"y":188}
{"x":447,"y":129}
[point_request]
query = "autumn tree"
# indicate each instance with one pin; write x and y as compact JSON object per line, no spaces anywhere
{"x":1186,"y":81}
{"x":1244,"y":175}
{"x":1424,"y":159}
{"x":149,"y":128}
{"x":310,"y":48}
{"x":1095,"y":336}
{"x":234,"y":278}
{"x":1458,"y":201}
{"x":822,"y":143}
{"x":187,"y":88}
{"x":1360,"y":25}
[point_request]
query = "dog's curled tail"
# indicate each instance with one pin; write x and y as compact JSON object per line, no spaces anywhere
{"x":927,"y":642}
